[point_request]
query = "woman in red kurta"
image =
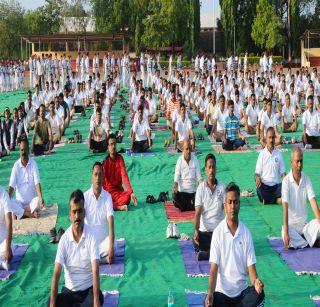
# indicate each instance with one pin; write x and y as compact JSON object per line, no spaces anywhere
{"x":114,"y":176}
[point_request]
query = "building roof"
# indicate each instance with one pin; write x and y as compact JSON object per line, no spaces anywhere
{"x":75,"y":37}
{"x":311,"y":33}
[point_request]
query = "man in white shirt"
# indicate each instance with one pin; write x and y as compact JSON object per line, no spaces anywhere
{"x":296,"y":188}
{"x":251,"y":116}
{"x":311,"y":125}
{"x":232,"y":259}
{"x":270,"y":166}
{"x":25,"y":180}
{"x":289,"y":121}
{"x":269,"y":119}
{"x":183,"y":129}
{"x":99,"y":132}
{"x":187,"y":172}
{"x":99,"y":214}
{"x":78,"y":254}
{"x":141,"y":138}
{"x":55,"y":123}
{"x":208,"y":208}
{"x":5,"y":230}
{"x":219,"y":120}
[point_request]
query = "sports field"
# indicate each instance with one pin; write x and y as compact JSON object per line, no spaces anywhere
{"x":153,"y":264}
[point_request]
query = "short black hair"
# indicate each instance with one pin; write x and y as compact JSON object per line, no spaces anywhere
{"x":111,"y":136}
{"x":230,"y":103}
{"x":232,"y":187}
{"x":77,"y":196}
{"x":210,"y":156}
{"x":96,"y":163}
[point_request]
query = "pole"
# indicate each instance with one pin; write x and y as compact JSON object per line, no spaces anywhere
{"x":289,"y":31}
{"x":214,"y":28}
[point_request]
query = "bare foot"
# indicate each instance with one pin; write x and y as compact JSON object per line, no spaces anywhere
{"x":279,"y":201}
{"x":34,"y":214}
{"x":123,"y":208}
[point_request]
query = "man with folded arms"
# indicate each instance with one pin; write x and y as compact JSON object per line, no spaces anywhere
{"x":25,"y":179}
{"x":5,"y":230}
{"x":187,"y":172}
{"x":99,"y":214}
{"x":78,"y":254}
{"x":208,"y":208}
{"x":296,"y":188}
{"x":232,"y":257}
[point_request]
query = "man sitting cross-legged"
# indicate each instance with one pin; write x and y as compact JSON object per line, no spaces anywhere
{"x":42,"y":140}
{"x":183,"y":129}
{"x":187,"y":172}
{"x":232,"y":138}
{"x":99,"y":132}
{"x":232,"y":257}
{"x":208,"y":206}
{"x":141,"y":138}
{"x":296,"y":188}
{"x":78,"y":254}
{"x":25,"y":179}
{"x":114,"y":176}
{"x":99,"y":214}
{"x":5,"y":230}
{"x":269,"y":167}
{"x":311,"y":125}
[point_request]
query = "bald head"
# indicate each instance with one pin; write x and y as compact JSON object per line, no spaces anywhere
{"x":187,"y":149}
{"x":297,"y":161}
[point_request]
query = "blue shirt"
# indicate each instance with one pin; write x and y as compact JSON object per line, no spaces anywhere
{"x":231,"y":125}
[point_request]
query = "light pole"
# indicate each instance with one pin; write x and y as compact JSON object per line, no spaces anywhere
{"x":214,"y":29}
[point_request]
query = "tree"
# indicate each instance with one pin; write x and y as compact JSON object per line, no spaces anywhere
{"x":11,"y":27}
{"x":267,"y":27}
{"x":228,"y":9}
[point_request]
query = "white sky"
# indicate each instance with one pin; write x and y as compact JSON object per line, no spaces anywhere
{"x":206,"y":7}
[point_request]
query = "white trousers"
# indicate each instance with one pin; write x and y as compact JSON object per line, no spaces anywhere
{"x":310,"y":231}
{"x":18,"y":207}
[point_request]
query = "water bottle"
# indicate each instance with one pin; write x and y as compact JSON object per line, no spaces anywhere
{"x":170,"y":300}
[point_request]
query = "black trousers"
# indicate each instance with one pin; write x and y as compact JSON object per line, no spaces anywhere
{"x":209,"y":129}
{"x":39,"y":150}
{"x":204,"y":241}
{"x":314,"y":141}
{"x":98,"y":146}
{"x":269,"y":194}
{"x":78,"y":109}
{"x":248,"y":298}
{"x":140,"y":146}
{"x":68,"y":298}
{"x":184,"y":201}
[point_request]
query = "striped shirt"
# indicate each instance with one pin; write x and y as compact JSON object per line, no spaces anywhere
{"x":231,"y":125}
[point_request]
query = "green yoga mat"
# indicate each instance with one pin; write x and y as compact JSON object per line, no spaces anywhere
{"x":153,"y":264}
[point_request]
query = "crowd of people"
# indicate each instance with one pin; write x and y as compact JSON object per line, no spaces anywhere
{"x":228,"y":103}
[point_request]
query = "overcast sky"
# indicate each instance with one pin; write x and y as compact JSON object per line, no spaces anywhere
{"x":207,"y":5}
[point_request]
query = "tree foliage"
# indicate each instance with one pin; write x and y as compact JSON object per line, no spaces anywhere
{"x":267,"y":26}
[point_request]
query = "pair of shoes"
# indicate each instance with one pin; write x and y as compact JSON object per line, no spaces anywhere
{"x":119,"y":136}
{"x":200,"y":137}
{"x":247,"y":193}
{"x":54,"y":236}
{"x":202,"y":255}
{"x":122,"y":150}
{"x":163,"y":196}
{"x":5,"y":265}
{"x":76,"y":132}
{"x":172,"y":231}
{"x":70,"y":140}
{"x":184,"y":237}
{"x":78,"y":138}
{"x":150,"y":199}
{"x":166,"y":143}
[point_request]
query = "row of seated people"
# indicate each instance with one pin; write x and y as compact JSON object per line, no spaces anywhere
{"x":273,"y":186}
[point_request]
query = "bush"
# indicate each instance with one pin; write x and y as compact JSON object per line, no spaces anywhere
{"x":165,"y":64}
{"x":256,"y":59}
